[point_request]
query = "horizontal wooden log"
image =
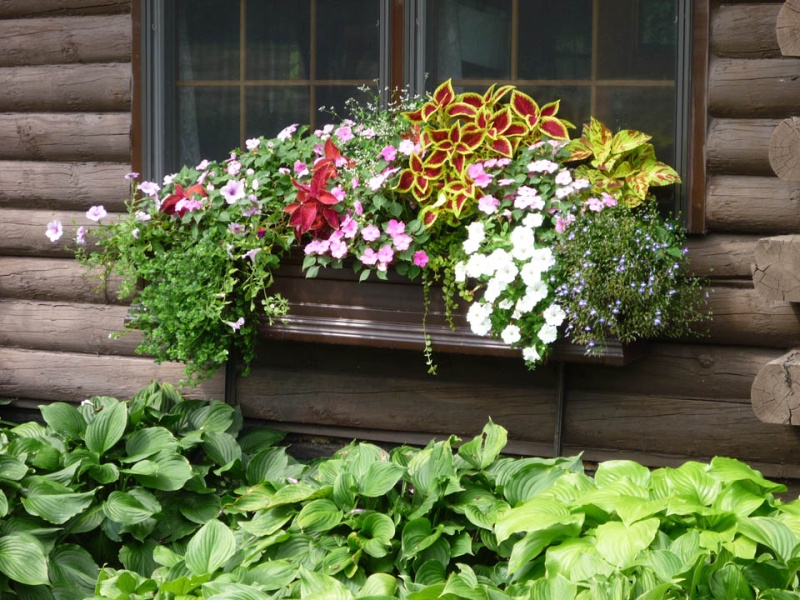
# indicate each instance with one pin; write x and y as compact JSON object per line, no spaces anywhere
{"x":22,"y":232}
{"x":745,"y":30}
{"x":69,"y":377}
{"x":66,"y":136}
{"x":673,"y":370}
{"x":776,"y":390}
{"x":749,"y":88}
{"x":15,"y":9}
{"x":739,"y":146}
{"x":54,"y":280}
{"x":788,"y":28}
{"x":66,"y":327}
{"x":63,"y":185}
{"x":652,"y":427}
{"x":784,"y":149}
{"x":743,"y":317}
{"x":721,"y":255}
{"x":776,"y":273}
{"x":88,"y":88}
{"x":64,"y":40}
{"x":755,"y":205}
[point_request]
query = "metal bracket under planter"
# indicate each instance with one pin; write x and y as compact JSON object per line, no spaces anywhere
{"x":335,"y":308}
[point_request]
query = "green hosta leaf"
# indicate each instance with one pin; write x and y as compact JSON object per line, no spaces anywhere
{"x":535,"y":542}
{"x":138,"y":557}
{"x":289,"y":494}
{"x":317,"y":586}
{"x":429,"y":466}
{"x":778,"y":595}
{"x":74,"y":567}
{"x":464,"y":585}
{"x":104,"y":474}
{"x":166,"y":557}
{"x":144,"y":443}
{"x":375,"y":534}
{"x":485,"y":512}
{"x":318,"y":516}
{"x":210,"y":548}
{"x":729,"y":469}
{"x":65,"y":419}
{"x":173,"y":471}
{"x":88,"y":520}
{"x":729,"y":582}
{"x":259,"y":439}
{"x":536,"y":514}
{"x":431,"y":572}
{"x":613,"y":470}
{"x":274,"y":574}
{"x":54,"y":502}
{"x":129,"y":508}
{"x":693,"y":481}
{"x":379,"y":479}
{"x":577,"y":560}
{"x":221,"y":447}
{"x":378,"y":584}
{"x":553,"y":588}
{"x":200,"y":508}
{"x":22,"y":559}
{"x":3,"y":504}
{"x":267,"y":465}
{"x":529,"y":481}
{"x":431,"y":592}
{"x":771,"y":533}
{"x":267,"y":522}
{"x":217,"y":416}
{"x":485,"y":448}
{"x":620,"y":544}
{"x":345,"y":487}
{"x":12,"y":469}
{"x":665,"y":563}
{"x":632,"y":508}
{"x":107,"y":428}
{"x":232,"y":591}
{"x":31,"y":429}
{"x":418,"y":535}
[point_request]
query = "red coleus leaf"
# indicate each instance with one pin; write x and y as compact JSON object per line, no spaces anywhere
{"x":406,"y":181}
{"x":169,"y":203}
{"x":458,"y":161}
{"x":414,"y":116}
{"x":303,"y":218}
{"x":444,"y":94}
{"x":501,"y":121}
{"x":503,"y":147}
{"x":462,"y":109}
{"x":432,"y":137}
{"x":525,"y":107}
{"x":555,"y":128}
{"x":549,"y":110}
{"x":471,"y":98}
{"x":471,"y":138}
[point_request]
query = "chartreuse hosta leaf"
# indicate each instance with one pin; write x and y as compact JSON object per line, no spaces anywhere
{"x":107,"y":427}
{"x":485,"y":448}
{"x":620,"y":544}
{"x":556,"y":587}
{"x":22,"y":559}
{"x":772,"y":534}
{"x":535,"y":542}
{"x":318,"y":586}
{"x":210,"y":548}
{"x":167,"y":471}
{"x":535,"y":514}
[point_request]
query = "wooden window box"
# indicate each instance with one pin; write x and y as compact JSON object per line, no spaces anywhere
{"x":335,"y":308}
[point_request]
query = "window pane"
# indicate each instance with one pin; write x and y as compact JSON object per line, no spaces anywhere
{"x":208,"y":40}
{"x":278,"y":40}
{"x":637,"y":39}
{"x":467,"y":39}
{"x":576,"y":101}
{"x":270,"y":109}
{"x":348,"y":39}
{"x":552,"y":46}
{"x":336,"y":96}
{"x":209,"y":122}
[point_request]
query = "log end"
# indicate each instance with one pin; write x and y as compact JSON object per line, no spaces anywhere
{"x":787,"y":29}
{"x":776,"y":271}
{"x":784,"y":149}
{"x":775,"y":393}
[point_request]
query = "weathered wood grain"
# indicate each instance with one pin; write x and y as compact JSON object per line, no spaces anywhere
{"x":63,"y":185}
{"x":62,"y":88}
{"x":776,"y":272}
{"x":70,"y":377}
{"x":723,"y":373}
{"x":65,"y":136}
{"x":721,"y":255}
{"x":776,"y":390}
{"x":788,"y":28}
{"x":739,"y":146}
{"x":66,"y":327}
{"x":64,"y":40}
{"x":22,"y":232}
{"x":755,"y":205}
{"x":744,"y":317}
{"x":748,"y":88}
{"x":53,"y":280}
{"x":784,"y":149}
{"x":745,"y":30}
{"x":692,"y":428}
{"x":15,"y":9}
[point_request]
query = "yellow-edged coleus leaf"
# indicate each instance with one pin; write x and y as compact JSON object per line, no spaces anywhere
{"x":493,"y":95}
{"x":470,"y":137}
{"x":434,"y":161}
{"x":503,"y":147}
{"x":459,"y":194}
{"x":526,"y":108}
{"x":628,"y":139}
{"x":462,"y":109}
{"x":555,"y":128}
{"x":435,"y":137}
{"x":551,"y":108}
{"x":600,"y":139}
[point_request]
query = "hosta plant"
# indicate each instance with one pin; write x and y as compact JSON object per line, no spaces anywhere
{"x":166,"y":498}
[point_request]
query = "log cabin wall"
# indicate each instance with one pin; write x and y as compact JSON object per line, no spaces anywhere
{"x":65,"y":122}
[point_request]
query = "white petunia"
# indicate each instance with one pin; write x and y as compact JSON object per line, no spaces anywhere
{"x":531,"y":354}
{"x":511,"y":334}
{"x":554,"y":315}
{"x":548,"y":333}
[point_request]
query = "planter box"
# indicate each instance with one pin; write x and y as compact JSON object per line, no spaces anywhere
{"x":335,"y":308}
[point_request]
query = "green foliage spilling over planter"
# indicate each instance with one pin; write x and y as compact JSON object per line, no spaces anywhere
{"x":161,"y":497}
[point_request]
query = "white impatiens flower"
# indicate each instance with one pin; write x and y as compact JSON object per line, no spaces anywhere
{"x":554,"y":315}
{"x":511,"y":335}
{"x":533,"y":220}
{"x":531,"y":354}
{"x":548,"y":333}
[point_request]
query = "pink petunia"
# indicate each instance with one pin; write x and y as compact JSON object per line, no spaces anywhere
{"x":96,"y":213}
{"x":80,"y":236}
{"x":131,"y":176}
{"x":149,"y":188}
{"x":344,"y":133}
{"x":235,"y":325}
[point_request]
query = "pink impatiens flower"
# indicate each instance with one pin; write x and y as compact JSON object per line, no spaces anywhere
{"x":479,"y":175}
{"x":54,"y":231}
{"x":370,"y":233}
{"x":338,"y":193}
{"x":389,"y":153}
{"x":369,"y":257}
{"x":385,"y":254}
{"x":349,"y":227}
{"x":300,"y":168}
{"x":338,"y":249}
{"x":287,"y":132}
{"x":395,"y":227}
{"x":402,"y":241}
{"x":96,"y":213}
{"x":488,"y":204}
{"x":420,"y":258}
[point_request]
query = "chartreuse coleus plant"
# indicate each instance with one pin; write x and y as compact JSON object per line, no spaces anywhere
{"x":623,"y":165}
{"x":159,"y":498}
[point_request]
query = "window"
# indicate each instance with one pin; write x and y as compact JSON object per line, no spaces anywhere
{"x":214,"y":74}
